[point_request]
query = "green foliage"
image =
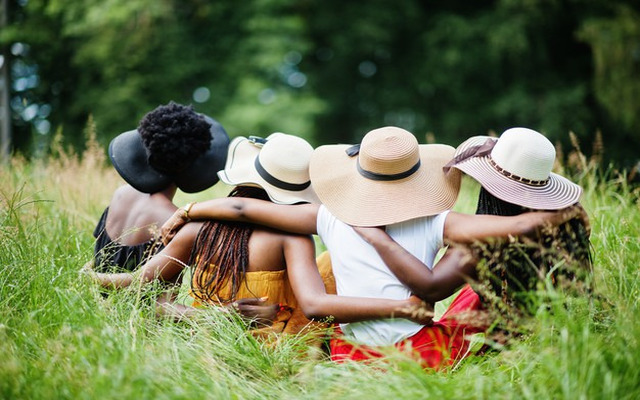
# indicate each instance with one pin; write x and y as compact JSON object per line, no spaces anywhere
{"x":615,"y":42}
{"x":270,"y":95}
{"x":59,"y":337}
{"x":332,"y":70}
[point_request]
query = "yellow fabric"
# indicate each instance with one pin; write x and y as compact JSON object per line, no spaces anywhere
{"x":276,"y":287}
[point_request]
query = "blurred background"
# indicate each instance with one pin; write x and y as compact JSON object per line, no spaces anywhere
{"x":326,"y":70}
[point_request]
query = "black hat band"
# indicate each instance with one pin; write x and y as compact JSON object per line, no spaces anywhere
{"x":272,"y":180}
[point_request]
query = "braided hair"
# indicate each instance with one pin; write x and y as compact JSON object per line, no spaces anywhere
{"x":221,"y":253}
{"x":511,"y":269}
{"x":174,"y":135}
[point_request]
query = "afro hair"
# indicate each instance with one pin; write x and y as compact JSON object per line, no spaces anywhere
{"x":174,"y":136}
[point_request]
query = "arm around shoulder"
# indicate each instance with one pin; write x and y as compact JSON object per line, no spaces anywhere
{"x":299,"y":218}
{"x":466,"y":228}
{"x":316,"y":304}
{"x":451,"y":272}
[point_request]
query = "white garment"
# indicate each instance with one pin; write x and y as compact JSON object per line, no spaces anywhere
{"x":359,"y":270}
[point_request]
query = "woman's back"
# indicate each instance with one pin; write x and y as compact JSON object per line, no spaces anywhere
{"x":126,"y":233}
{"x":263,"y":274}
{"x":266,"y":250}
{"x":173,"y":147}
{"x":134,"y":216}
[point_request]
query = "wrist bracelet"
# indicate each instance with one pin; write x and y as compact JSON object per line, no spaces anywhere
{"x":185,"y":211}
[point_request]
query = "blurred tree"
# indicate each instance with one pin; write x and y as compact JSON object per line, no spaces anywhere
{"x":41,"y":75}
{"x":133,"y":55}
{"x":119,"y":59}
{"x":362,"y":65}
{"x":272,"y":92}
{"x":453,"y":68}
{"x":5,"y":83}
{"x":616,"y":55}
{"x":329,"y":71}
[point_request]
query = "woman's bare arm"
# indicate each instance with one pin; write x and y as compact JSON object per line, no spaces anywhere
{"x":167,"y":306}
{"x":300,"y":218}
{"x":451,"y":272}
{"x":458,"y":264}
{"x":466,"y":228}
{"x":312,"y":297}
{"x":165,"y":266}
{"x":255,"y":310}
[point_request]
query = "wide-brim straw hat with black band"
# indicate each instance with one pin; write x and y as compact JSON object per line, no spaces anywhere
{"x":516,"y":168}
{"x":388,"y":178}
{"x":130,"y":158}
{"x":279,"y":164}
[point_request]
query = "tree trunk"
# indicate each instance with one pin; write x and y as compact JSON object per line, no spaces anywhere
{"x":5,"y":87}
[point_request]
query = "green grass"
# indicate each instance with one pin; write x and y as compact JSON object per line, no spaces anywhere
{"x":60,"y":338}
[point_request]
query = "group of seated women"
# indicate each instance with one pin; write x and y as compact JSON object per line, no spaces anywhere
{"x":382,"y":209}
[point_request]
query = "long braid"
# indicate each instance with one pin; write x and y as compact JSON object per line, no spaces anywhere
{"x":488,"y":204}
{"x":572,"y":236}
{"x":221,"y":253}
{"x":511,"y":269}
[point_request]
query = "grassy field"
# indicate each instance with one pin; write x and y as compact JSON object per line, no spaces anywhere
{"x":59,"y":338}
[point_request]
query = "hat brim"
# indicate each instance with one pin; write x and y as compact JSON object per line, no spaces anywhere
{"x":203,"y":172}
{"x":359,"y":201}
{"x":129,"y":157}
{"x":558,"y":193}
{"x":240,"y":170}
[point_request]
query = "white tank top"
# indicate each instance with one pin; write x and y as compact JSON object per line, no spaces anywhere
{"x":359,"y":270}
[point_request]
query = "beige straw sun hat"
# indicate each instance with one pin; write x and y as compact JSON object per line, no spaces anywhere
{"x":388,"y":178}
{"x":516,"y":168}
{"x":279,"y":164}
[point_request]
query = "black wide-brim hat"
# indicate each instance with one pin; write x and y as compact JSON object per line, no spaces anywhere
{"x":129,"y":157}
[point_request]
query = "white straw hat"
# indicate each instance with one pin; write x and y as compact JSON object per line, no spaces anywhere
{"x":516,"y":168}
{"x":279,"y":164}
{"x":388,"y":178}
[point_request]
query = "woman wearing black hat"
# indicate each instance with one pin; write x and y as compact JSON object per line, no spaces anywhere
{"x":173,"y":147}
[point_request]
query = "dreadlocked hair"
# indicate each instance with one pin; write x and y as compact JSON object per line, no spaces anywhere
{"x":174,"y":135}
{"x":512,"y":270}
{"x":221,"y":253}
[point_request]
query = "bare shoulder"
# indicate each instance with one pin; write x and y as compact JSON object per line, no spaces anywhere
{"x":271,"y":249}
{"x":283,"y":238}
{"x":266,"y":250}
{"x":124,"y":200}
{"x":284,"y":241}
{"x":126,"y":193}
{"x":131,"y":213}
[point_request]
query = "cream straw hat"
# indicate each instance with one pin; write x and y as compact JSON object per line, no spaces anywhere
{"x":279,"y":164}
{"x":516,"y":168}
{"x":388,"y":178}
